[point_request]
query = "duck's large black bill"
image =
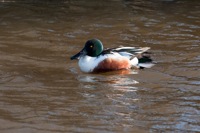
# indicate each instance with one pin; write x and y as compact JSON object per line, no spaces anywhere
{"x":78,"y":55}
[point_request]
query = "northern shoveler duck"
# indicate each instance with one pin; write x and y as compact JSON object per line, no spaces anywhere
{"x":93,"y":58}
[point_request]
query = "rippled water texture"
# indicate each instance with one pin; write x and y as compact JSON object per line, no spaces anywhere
{"x":42,"y":90}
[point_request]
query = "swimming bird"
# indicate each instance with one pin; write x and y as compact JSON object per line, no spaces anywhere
{"x":93,"y":58}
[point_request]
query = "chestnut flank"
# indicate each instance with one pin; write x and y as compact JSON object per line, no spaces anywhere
{"x":110,"y":64}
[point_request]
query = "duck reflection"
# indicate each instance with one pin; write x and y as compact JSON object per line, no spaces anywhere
{"x":117,"y":80}
{"x":113,"y":94}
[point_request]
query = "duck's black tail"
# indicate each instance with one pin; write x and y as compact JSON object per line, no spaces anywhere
{"x":145,"y":60}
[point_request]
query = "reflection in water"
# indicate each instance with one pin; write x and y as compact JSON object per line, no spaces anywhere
{"x":41,"y":90}
{"x":113,"y":94}
{"x":113,"y":81}
{"x":117,"y":81}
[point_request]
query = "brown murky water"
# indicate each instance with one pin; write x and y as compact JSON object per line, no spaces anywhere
{"x":42,"y":90}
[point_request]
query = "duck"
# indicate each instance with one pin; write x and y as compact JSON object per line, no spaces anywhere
{"x":94,"y":58}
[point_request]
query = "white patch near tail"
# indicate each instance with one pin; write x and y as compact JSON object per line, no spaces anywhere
{"x":146,"y":65}
{"x":134,"y":62}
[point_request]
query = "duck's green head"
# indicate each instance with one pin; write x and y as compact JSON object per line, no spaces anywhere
{"x":92,"y":48}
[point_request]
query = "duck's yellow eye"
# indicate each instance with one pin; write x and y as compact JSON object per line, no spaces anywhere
{"x":91,"y":46}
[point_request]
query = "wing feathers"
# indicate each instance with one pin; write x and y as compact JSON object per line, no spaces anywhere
{"x":132,"y":50}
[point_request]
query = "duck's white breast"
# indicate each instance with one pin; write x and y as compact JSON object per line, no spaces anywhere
{"x":88,"y":63}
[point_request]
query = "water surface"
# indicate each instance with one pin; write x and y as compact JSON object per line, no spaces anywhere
{"x":42,"y":90}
